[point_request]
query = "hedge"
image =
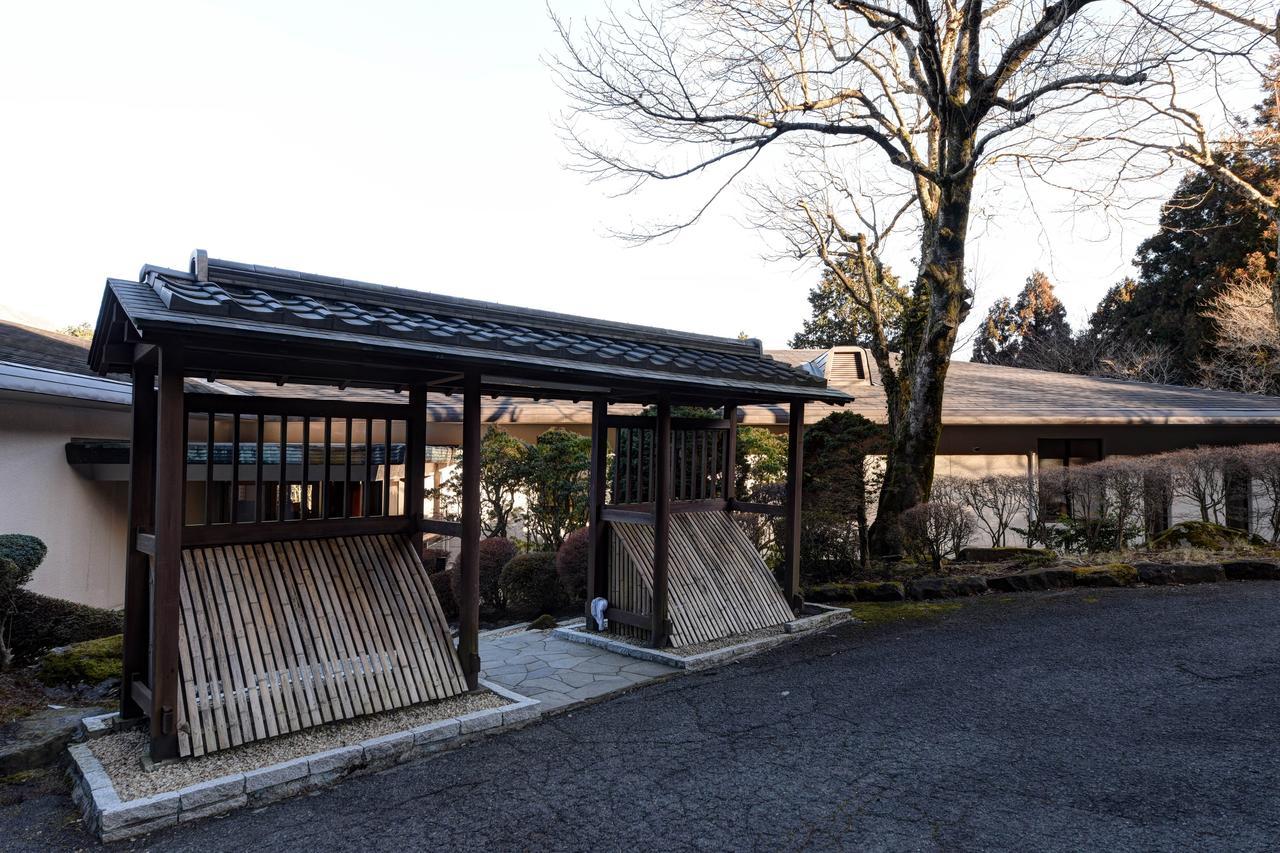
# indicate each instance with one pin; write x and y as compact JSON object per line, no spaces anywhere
{"x":530,"y":584}
{"x":40,"y":623}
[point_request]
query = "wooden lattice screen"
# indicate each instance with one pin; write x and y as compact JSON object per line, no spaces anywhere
{"x":719,"y":586}
{"x":279,"y":636}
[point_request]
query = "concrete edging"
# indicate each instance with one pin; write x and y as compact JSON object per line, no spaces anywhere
{"x":820,"y":616}
{"x":111,"y":819}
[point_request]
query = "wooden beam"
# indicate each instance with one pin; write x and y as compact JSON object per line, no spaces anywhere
{"x":139,"y":693}
{"x":795,"y":474}
{"x":626,"y":617}
{"x":275,"y":531}
{"x":613,"y":514}
{"x":440,"y":526}
{"x":146,"y":543}
{"x":137,"y":565}
{"x":762,"y":509}
{"x":415,"y":464}
{"x":469,"y":605}
{"x":661,"y":521}
{"x":731,"y":452}
{"x":597,"y":535}
{"x":650,"y":422}
{"x":228,"y":404}
{"x":170,"y":488}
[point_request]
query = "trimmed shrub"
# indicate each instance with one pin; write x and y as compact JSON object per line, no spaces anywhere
{"x":495,"y":553}
{"x":40,"y":623}
{"x":571,"y":565}
{"x":27,"y":551}
{"x":530,"y":584}
{"x":90,"y":662}
{"x":442,"y":583}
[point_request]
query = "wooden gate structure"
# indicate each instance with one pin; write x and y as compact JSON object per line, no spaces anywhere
{"x":273,"y":565}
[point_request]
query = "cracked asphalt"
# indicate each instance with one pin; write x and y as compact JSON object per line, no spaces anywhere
{"x":1140,"y":719}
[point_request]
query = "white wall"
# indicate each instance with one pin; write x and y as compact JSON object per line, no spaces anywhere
{"x":82,"y":521}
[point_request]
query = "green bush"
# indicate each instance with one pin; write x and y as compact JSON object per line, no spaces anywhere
{"x":90,"y":662}
{"x":40,"y":623}
{"x":27,"y":551}
{"x":571,"y":564}
{"x":530,"y":584}
{"x":442,"y":583}
{"x":495,"y":553}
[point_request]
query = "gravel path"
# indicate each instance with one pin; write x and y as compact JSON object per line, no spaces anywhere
{"x":121,"y":753}
{"x":1125,"y":719}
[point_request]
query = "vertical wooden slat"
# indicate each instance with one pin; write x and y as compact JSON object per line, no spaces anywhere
{"x":660,"y":475}
{"x":346,"y":485}
{"x":208,"y":472}
{"x":597,"y":538}
{"x":171,"y":462}
{"x":325,"y":510}
{"x":260,"y":488}
{"x":304,"y":506}
{"x":283,"y":502}
{"x":415,"y":465}
{"x":795,"y":469}
{"x":386,"y":467}
{"x":367,"y":486}
{"x":142,"y":504}
{"x":235,"y":467}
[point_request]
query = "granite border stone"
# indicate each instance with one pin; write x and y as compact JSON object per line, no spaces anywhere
{"x":110,"y":819}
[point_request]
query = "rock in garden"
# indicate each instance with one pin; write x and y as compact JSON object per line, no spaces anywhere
{"x":1115,"y":574}
{"x":1252,"y":570}
{"x":878,"y":591}
{"x":1037,"y":579}
{"x":1000,"y":555}
{"x":926,"y":588}
{"x":1206,"y":535}
{"x":1159,"y":574}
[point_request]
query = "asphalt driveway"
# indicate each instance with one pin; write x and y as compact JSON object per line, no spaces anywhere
{"x":1116,"y":719}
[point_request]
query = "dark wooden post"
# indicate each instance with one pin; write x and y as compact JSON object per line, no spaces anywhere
{"x":137,"y":564}
{"x":661,"y":520}
{"x":171,"y":477}
{"x":469,"y":606}
{"x":415,"y":465}
{"x":597,"y":538}
{"x":731,"y":454}
{"x":795,"y":474}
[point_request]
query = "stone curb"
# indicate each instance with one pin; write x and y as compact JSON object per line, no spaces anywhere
{"x":110,"y":819}
{"x":825,"y":617}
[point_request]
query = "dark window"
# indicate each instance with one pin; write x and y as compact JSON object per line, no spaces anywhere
{"x":1057,"y":454}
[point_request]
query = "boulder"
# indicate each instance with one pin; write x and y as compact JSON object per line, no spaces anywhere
{"x":878,"y":591}
{"x":1160,"y":574}
{"x":1036,"y":579}
{"x":1252,"y":570}
{"x":40,"y":738}
{"x":926,"y":588}
{"x":1000,"y":555}
{"x":1206,"y":535}
{"x":1114,"y":574}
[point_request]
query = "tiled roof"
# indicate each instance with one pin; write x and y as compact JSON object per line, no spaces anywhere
{"x":254,"y":300}
{"x":43,"y":348}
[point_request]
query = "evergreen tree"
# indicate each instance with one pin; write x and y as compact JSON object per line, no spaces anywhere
{"x":1031,"y":332}
{"x":836,"y":321}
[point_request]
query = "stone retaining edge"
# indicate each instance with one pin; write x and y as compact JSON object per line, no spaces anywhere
{"x":110,"y":819}
{"x":827,"y":615}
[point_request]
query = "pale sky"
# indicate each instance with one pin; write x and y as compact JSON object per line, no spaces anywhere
{"x":409,"y":144}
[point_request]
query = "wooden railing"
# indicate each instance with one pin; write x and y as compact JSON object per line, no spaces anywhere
{"x":699,"y":464}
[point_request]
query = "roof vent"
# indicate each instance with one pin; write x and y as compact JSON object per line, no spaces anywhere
{"x":847,"y":366}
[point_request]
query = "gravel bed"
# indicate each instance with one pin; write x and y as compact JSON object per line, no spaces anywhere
{"x":121,"y":753}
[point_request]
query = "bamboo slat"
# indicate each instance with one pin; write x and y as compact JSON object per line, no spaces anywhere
{"x":277,"y":637}
{"x":718,"y":584}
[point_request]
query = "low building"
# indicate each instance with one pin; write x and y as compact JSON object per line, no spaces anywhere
{"x":64,"y":436}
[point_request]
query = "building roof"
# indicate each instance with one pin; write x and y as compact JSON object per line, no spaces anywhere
{"x":263,"y":308}
{"x":34,"y":347}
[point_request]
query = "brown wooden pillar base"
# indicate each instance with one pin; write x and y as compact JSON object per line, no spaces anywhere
{"x":137,"y":565}
{"x":661,"y":521}
{"x":597,"y":535}
{"x":171,"y":459}
{"x":795,"y":477}
{"x":469,"y":606}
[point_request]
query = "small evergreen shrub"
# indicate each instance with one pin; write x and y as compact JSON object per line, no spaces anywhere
{"x":442,"y":583}
{"x":571,"y":564}
{"x":40,"y":623}
{"x":495,"y":553}
{"x":27,"y":551}
{"x":530,"y":584}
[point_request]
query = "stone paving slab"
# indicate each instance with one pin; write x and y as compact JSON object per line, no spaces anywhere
{"x":559,"y":672}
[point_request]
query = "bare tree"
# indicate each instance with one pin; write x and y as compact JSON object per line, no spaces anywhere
{"x":1246,"y":336}
{"x":996,"y":501}
{"x":912,"y":98}
{"x":1194,"y":123}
